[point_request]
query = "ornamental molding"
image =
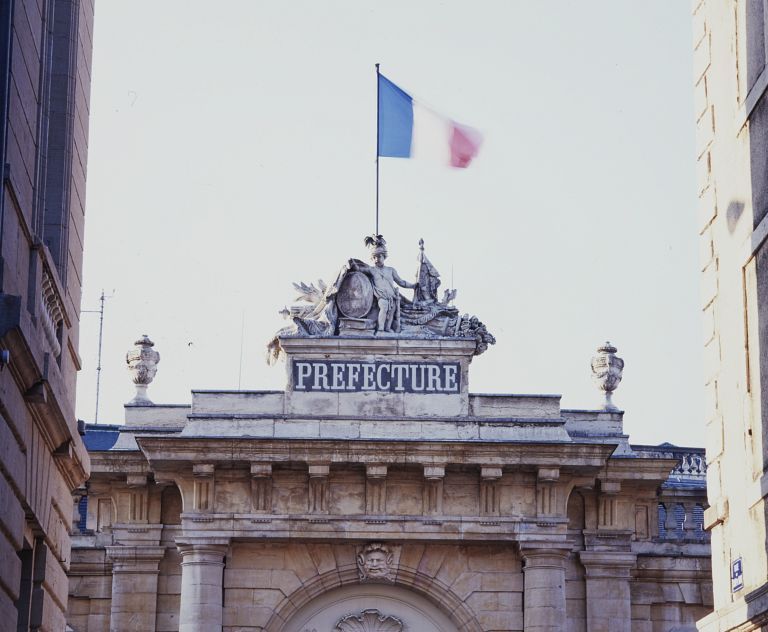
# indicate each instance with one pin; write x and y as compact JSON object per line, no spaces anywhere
{"x":174,"y":449}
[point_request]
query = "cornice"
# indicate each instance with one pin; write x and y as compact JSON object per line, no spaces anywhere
{"x":650,"y":470}
{"x":165,"y":452}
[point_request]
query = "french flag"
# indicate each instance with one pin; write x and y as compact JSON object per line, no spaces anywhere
{"x":408,"y":129}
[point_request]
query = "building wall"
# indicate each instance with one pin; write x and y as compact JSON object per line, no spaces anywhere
{"x":260,"y":578}
{"x":45,"y":61}
{"x":730,"y":79}
{"x":634,"y":555}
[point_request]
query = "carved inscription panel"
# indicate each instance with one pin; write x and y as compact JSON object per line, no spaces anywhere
{"x":390,"y":377}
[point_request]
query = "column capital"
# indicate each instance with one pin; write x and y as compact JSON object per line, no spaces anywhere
{"x":135,"y":559}
{"x":544,"y":554}
{"x":212,"y":550}
{"x":608,"y":564}
{"x":260,"y":469}
{"x":376,"y":471}
{"x":137,"y":534}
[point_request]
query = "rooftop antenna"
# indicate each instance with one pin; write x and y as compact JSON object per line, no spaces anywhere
{"x":242,"y":336}
{"x":100,"y":312}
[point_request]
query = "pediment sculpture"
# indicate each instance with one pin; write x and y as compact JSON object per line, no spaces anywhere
{"x":365,"y":300}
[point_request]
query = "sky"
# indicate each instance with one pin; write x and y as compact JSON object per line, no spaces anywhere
{"x":232,"y":152}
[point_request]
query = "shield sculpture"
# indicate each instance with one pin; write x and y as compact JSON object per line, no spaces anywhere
{"x":355,"y":296}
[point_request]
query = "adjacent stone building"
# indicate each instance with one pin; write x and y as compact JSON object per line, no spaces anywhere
{"x":45,"y":62}
{"x":377,"y":493}
{"x":731,"y":110}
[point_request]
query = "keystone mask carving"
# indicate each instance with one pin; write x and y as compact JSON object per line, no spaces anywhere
{"x":376,"y":562}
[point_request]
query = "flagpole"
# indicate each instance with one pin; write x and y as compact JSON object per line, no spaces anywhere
{"x":377,"y":149}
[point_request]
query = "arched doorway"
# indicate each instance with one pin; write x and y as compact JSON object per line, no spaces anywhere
{"x":370,"y":607}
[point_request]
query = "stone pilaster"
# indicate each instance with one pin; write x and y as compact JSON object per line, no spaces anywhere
{"x":375,"y":489}
{"x":547,"y":501}
{"x":318,"y":488}
{"x":203,"y":487}
{"x":261,"y":487}
{"x":134,"y":586}
{"x":202,"y":571}
{"x":433,"y":490}
{"x":489,"y":490}
{"x":544,"y":586}
{"x":609,"y":607}
{"x":607,"y":507}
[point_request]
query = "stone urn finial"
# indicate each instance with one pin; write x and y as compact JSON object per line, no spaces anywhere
{"x":606,"y":372}
{"x":142,"y":362}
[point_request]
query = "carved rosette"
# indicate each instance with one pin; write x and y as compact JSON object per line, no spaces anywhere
{"x":142,"y":363}
{"x":607,"y":370}
{"x":369,"y":621}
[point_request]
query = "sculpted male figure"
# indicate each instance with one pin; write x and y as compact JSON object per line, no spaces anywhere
{"x":383,"y":279}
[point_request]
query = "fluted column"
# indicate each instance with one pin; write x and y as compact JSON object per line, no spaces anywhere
{"x":134,"y":586}
{"x":544,"y":588}
{"x":609,"y":606}
{"x":202,"y":568}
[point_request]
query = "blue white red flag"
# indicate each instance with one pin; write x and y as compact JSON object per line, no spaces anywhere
{"x":408,"y":129}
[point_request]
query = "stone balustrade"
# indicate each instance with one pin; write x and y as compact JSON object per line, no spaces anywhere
{"x":681,"y":520}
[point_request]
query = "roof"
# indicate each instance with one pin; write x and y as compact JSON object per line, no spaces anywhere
{"x":100,"y":438}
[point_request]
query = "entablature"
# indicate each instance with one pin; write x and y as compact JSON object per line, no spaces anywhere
{"x":170,"y":452}
{"x":406,"y":528}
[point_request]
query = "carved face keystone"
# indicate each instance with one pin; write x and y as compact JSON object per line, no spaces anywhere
{"x":376,"y":561}
{"x":376,"y":564}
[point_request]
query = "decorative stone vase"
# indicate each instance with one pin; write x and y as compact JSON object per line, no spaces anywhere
{"x":607,"y":369}
{"x":142,"y":362}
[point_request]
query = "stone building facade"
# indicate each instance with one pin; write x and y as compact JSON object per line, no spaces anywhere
{"x":323,"y":507}
{"x":731,"y":110}
{"x":45,"y":68}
